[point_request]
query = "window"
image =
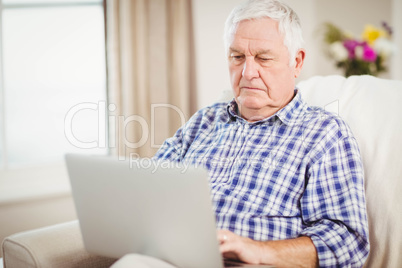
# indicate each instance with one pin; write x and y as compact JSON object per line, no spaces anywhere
{"x":52,"y":60}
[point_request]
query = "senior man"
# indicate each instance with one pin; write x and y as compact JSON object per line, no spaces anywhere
{"x":286,"y":179}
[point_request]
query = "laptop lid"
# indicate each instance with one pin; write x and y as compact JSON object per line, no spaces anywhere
{"x":125,"y":207}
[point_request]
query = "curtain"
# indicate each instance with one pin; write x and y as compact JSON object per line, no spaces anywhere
{"x":151,"y":83}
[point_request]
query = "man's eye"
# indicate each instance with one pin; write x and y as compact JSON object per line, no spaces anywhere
{"x":265,"y":59}
{"x":237,"y":57}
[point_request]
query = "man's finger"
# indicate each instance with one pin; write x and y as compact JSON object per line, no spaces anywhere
{"x":223,"y":236}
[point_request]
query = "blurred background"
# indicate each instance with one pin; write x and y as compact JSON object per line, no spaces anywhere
{"x":120,"y":76}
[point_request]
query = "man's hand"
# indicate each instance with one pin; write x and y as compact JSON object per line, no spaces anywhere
{"x":298,"y":252}
{"x":240,"y":248}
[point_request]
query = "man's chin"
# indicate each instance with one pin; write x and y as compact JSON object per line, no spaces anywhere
{"x":251,"y":103}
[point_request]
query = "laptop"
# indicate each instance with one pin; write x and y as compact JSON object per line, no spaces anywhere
{"x":139,"y":207}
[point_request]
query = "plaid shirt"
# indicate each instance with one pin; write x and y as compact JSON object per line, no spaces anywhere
{"x":296,"y":173}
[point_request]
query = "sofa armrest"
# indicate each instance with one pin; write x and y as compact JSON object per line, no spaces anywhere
{"x":59,"y":245}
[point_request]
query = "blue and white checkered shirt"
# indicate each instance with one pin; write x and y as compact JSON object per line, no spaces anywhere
{"x":296,"y":173}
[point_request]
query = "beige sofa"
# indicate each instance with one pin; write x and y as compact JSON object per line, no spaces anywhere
{"x":373,"y":109}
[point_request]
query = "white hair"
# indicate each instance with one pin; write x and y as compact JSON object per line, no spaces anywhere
{"x":288,"y":23}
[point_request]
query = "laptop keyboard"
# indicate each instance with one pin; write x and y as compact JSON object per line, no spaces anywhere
{"x":229,"y":264}
{"x":232,"y":263}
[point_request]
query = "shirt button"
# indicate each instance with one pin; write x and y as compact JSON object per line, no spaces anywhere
{"x":246,"y":126}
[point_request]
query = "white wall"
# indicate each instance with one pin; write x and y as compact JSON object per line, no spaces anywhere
{"x":210,"y":15}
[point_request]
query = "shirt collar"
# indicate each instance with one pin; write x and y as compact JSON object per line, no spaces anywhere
{"x":232,"y":110}
{"x":287,"y":115}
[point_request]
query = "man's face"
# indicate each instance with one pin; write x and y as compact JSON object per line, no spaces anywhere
{"x":262,"y":80}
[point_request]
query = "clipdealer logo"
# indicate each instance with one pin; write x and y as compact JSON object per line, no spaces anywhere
{"x":116,"y":123}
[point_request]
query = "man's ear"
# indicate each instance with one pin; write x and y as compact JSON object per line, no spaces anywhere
{"x":300,"y":55}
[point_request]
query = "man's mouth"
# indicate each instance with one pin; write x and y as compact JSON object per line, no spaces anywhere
{"x":252,"y":88}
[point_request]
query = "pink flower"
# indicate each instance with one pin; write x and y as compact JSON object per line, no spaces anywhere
{"x":368,"y":53}
{"x":350,"y":45}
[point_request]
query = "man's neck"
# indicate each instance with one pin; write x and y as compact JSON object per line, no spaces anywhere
{"x":254,"y":115}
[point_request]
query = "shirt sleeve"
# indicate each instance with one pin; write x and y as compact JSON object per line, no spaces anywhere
{"x":333,"y":206}
{"x":175,"y":148}
{"x":171,"y":148}
{"x":200,"y":124}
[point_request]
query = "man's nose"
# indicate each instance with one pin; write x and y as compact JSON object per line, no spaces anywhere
{"x":250,"y":69}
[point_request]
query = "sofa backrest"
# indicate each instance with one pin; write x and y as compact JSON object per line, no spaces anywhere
{"x":373,"y":109}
